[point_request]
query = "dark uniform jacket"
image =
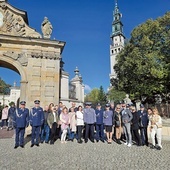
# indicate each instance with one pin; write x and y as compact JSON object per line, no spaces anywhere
{"x":36,"y":116}
{"x":21,"y":118}
{"x":144,"y":120}
{"x":99,"y":116}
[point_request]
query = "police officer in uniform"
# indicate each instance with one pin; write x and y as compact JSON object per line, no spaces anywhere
{"x":89,"y":117}
{"x":99,"y":123}
{"x":20,"y":122}
{"x":36,"y":121}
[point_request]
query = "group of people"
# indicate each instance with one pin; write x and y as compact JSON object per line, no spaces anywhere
{"x":7,"y":116}
{"x":122,"y":123}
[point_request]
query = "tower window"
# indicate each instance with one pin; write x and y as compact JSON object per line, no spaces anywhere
{"x":112,"y":51}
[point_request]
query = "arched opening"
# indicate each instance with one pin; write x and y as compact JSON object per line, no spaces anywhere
{"x":5,"y":64}
{"x":12,"y":78}
{"x":11,"y":72}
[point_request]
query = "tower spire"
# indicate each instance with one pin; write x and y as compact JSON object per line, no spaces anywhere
{"x":117,"y":26}
{"x":117,"y":38}
{"x":116,"y":11}
{"x":115,"y":3}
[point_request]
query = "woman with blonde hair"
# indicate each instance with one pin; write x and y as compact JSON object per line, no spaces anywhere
{"x":155,"y":126}
{"x":117,"y":123}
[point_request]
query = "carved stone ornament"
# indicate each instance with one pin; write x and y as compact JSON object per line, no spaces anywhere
{"x":46,"y":28}
{"x":46,"y":55}
{"x":21,"y":57}
{"x":13,"y":23}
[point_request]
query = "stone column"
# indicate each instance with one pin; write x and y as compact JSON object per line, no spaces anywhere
{"x":23,"y":87}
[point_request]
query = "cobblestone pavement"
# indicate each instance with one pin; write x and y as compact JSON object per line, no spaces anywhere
{"x":6,"y":134}
{"x":89,"y":156}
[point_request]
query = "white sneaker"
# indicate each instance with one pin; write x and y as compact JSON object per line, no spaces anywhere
{"x":1,"y":127}
{"x":126,"y":143}
{"x":129,"y":145}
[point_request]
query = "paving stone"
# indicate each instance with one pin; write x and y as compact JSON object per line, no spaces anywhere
{"x":89,"y":156}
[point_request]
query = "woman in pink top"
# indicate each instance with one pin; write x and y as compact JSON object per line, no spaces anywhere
{"x":4,"y":116}
{"x":64,"y":118}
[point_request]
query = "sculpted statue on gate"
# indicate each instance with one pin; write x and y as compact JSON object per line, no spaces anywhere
{"x":127,"y":100}
{"x":46,"y":28}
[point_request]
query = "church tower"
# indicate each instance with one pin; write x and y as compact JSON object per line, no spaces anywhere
{"x":117,"y":39}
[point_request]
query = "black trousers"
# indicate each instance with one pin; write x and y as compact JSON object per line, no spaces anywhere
{"x":136,"y":136}
{"x":89,"y":131}
{"x":144,"y":135}
{"x":53,"y":135}
{"x":79,"y":132}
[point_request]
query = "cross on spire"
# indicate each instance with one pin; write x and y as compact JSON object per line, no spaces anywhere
{"x":115,"y":2}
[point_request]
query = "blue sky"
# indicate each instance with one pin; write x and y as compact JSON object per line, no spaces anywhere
{"x":85,"y":26}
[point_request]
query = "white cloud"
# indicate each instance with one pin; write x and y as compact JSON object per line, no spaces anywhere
{"x":87,"y":88}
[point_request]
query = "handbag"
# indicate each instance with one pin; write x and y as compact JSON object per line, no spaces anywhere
{"x":117,"y":123}
{"x":159,"y":125}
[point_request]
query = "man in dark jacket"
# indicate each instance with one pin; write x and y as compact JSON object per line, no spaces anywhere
{"x":11,"y":112}
{"x":99,"y":123}
{"x":143,"y":124}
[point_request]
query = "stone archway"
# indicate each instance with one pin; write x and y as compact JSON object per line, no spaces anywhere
{"x":17,"y":67}
{"x":36,"y":59}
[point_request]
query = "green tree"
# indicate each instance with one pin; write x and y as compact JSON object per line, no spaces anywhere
{"x":143,"y":67}
{"x":116,"y":95}
{"x":97,"y":95}
{"x":4,"y":87}
{"x":92,"y":96}
{"x":102,"y":98}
